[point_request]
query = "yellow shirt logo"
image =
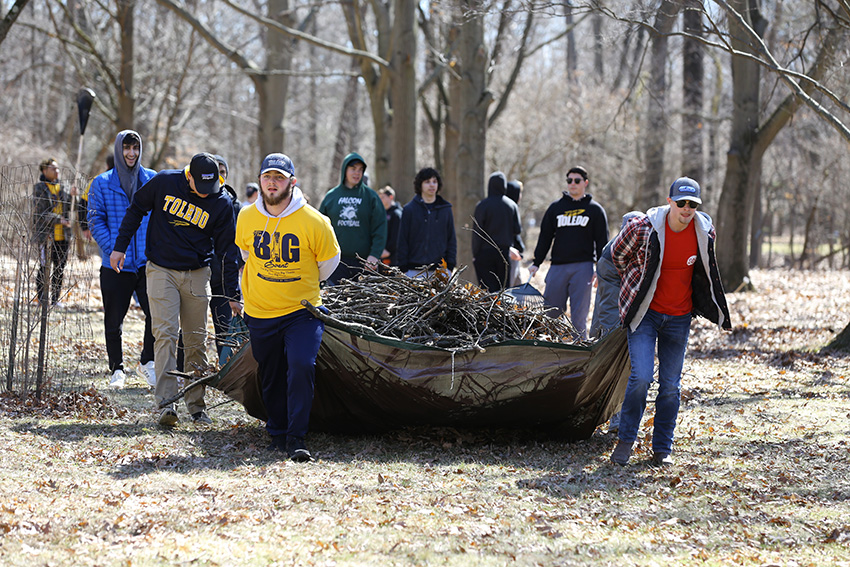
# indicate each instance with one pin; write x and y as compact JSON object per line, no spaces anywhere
{"x":186,"y":211}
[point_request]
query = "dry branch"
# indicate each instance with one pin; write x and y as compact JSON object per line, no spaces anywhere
{"x":439,"y":310}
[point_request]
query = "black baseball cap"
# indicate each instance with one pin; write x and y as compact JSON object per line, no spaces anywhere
{"x":204,"y":170}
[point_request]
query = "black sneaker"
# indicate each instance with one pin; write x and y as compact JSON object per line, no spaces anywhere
{"x":278,"y":444}
{"x":201,"y":418}
{"x":297,"y":450}
{"x":661,"y":460}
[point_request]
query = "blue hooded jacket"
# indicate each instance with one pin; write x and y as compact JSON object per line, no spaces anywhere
{"x":107,"y":204}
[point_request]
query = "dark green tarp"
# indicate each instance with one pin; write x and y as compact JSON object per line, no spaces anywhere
{"x":370,"y":384}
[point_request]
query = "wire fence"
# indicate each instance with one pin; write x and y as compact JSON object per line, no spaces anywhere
{"x":46,"y":343}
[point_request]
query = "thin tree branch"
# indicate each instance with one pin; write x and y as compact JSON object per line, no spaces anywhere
{"x":303,"y":36}
{"x":10,"y":17}
{"x":828,"y":46}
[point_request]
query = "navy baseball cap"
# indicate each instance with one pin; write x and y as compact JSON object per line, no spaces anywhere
{"x":278,"y":162}
{"x":685,"y":188}
{"x":204,"y":170}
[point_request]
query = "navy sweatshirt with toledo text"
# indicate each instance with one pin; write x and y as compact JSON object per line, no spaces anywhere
{"x":184,"y":229}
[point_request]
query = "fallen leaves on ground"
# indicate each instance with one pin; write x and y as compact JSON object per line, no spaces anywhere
{"x":760,"y":475}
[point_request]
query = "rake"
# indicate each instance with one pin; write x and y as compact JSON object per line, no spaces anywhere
{"x":526,"y":295}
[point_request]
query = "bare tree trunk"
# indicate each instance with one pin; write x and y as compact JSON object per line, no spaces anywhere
{"x":572,"y":55}
{"x":807,"y":235}
{"x":598,"y":42}
{"x":757,"y":230}
{"x":692,"y":91}
{"x":275,"y":82}
{"x":623,"y":70}
{"x":769,"y":224}
{"x":841,"y":342}
{"x":313,"y":126}
{"x":712,"y":165}
{"x":743,"y":164}
{"x":656,"y":122}
{"x":126,"y":100}
{"x":347,"y":128}
{"x":475,"y":99}
{"x":377,"y":81}
{"x":750,"y":139}
{"x":792,"y":229}
{"x":403,"y":100}
{"x":451,"y":137}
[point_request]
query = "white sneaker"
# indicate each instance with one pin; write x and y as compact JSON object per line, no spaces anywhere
{"x":148,"y":372}
{"x":117,"y":380}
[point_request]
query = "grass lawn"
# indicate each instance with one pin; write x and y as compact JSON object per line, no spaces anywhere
{"x":761,"y":474}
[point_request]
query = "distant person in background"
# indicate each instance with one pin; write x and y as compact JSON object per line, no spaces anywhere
{"x":494,"y":233}
{"x":514,"y":193}
{"x":387,"y":195}
{"x":358,"y":219}
{"x":51,"y":228}
{"x":426,"y":235}
{"x":219,"y":301}
{"x":109,"y":196}
{"x":251,"y":193}
{"x":576,"y":228}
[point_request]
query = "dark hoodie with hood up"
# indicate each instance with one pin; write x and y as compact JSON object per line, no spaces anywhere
{"x":357,"y":215}
{"x":497,"y":217}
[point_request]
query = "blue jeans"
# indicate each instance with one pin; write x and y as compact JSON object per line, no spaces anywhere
{"x":670,"y":332}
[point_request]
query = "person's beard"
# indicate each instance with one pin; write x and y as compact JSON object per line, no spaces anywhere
{"x":284,"y":194}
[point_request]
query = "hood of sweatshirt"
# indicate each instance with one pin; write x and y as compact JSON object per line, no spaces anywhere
{"x":128,"y":176}
{"x":353,"y":156}
{"x":497,"y":185}
{"x":296,"y":203}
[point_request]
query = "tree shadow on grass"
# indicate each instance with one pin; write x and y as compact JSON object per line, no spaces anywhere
{"x":227,"y":447}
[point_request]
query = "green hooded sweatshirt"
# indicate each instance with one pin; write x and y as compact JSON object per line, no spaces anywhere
{"x":357,"y":216}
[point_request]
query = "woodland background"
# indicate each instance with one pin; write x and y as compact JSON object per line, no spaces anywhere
{"x":746,"y":96}
{"x":638,"y":91}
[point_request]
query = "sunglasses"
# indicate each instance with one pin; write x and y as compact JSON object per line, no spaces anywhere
{"x":685,"y":203}
{"x":571,"y":180}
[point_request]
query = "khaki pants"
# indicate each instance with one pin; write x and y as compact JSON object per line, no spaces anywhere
{"x":178,"y":299}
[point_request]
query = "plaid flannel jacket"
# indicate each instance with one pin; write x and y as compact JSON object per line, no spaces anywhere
{"x":637,"y":252}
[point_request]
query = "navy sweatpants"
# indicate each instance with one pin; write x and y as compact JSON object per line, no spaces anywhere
{"x":285,"y":349}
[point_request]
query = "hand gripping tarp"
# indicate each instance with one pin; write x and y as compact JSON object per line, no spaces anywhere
{"x":371,"y":384}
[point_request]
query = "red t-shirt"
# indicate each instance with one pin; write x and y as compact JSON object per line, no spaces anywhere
{"x":673,"y":295}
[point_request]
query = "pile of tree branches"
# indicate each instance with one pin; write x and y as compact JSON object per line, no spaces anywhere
{"x":440,"y":310}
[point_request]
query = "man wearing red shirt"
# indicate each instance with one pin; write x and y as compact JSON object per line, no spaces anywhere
{"x":669,"y":272}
